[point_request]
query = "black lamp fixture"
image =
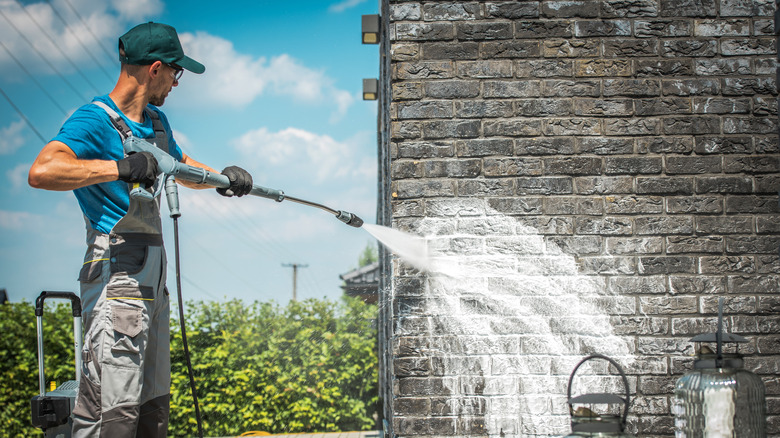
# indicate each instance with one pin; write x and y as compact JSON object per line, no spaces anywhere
{"x":370,"y":89}
{"x":370,"y":29}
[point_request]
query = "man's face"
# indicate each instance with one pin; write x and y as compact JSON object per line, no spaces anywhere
{"x":165,"y":83}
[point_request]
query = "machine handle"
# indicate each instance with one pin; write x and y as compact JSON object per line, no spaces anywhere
{"x":622,"y":374}
{"x":75,"y":302}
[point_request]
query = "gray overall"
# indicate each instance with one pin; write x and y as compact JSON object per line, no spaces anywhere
{"x":125,"y":382}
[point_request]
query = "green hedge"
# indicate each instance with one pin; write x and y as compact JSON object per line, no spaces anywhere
{"x":308,"y":367}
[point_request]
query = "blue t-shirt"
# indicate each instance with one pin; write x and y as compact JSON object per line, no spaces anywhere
{"x":90,"y":134}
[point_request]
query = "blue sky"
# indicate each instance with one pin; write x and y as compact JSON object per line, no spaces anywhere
{"x":280,"y":97}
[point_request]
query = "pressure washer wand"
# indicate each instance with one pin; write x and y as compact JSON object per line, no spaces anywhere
{"x":169,"y":166}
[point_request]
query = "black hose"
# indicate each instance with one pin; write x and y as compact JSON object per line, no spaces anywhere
{"x":183,"y":329}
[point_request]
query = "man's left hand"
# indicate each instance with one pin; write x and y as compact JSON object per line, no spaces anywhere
{"x":240,"y":182}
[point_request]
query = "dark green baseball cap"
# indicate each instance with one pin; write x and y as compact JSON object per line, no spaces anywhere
{"x":150,"y":42}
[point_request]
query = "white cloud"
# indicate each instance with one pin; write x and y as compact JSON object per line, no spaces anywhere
{"x":11,"y":137}
{"x":344,"y":5}
{"x":234,"y":79}
{"x":96,"y":27}
{"x":296,"y":150}
{"x":18,"y":175}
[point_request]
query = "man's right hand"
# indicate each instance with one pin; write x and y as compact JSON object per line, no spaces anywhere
{"x":138,"y":167}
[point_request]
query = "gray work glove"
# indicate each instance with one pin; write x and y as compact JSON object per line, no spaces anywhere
{"x":240,"y":182}
{"x":138,"y":167}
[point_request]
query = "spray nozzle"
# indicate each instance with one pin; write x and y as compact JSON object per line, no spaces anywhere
{"x":349,"y":219}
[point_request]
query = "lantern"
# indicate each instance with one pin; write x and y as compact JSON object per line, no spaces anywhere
{"x":718,"y":397}
{"x":585,"y":422}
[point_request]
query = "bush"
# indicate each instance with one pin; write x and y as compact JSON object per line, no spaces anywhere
{"x":307,"y":367}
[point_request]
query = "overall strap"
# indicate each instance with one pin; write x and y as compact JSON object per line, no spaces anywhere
{"x":160,"y":135}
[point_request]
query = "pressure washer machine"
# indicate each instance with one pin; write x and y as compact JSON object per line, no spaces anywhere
{"x":51,"y":411}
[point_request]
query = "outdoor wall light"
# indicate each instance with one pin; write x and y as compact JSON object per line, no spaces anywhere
{"x":370,"y":89}
{"x":370,"y":29}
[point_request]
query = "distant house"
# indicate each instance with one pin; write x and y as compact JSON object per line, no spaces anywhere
{"x":362,"y":283}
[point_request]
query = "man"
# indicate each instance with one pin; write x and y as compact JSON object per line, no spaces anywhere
{"x":125,"y":381}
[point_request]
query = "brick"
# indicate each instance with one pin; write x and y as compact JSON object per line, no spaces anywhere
{"x":426,"y":149}
{"x":422,"y":189}
{"x":604,"y":145}
{"x":663,"y":225}
{"x":731,"y":185}
{"x":602,"y":67}
{"x":450,"y":11}
{"x":688,"y":244}
{"x":516,"y":205}
{"x":724,"y":145}
{"x":424,"y":31}
{"x":639,"y":325}
{"x":767,"y":184}
{"x":405,"y":11}
{"x":665,"y":186}
{"x":407,"y":91}
{"x":401,"y":169}
{"x":499,"y":89}
{"x":692,"y":165}
{"x":680,"y":48}
{"x":572,"y":166}
{"x":543,"y":107}
{"x":570,"y":9}
{"x":748,"y":284}
{"x":454,"y":51}
{"x":637,"y":245}
{"x":632,"y":165}
{"x":662,"y":28}
{"x":662,"y":106}
{"x":650,"y":265}
{"x":452,"y":168}
{"x":570,"y":126}
{"x":455,"y":207}
{"x":634,"y":204}
{"x":691,"y":125}
{"x":423,"y":70}
{"x":484,"y":69}
{"x":512,"y":10}
{"x":562,"y":88}
{"x":687,"y":8}
{"x":484,"y":31}
{"x":451,"y":89}
{"x":510,"y":49}
{"x":543,"y":68}
{"x":690,"y":87}
{"x":758,"y":205}
{"x":483,"y":109}
{"x":699,"y":284}
{"x":404,"y":52}
{"x":722,"y":28}
{"x":496,"y":167}
{"x":632,"y":87}
{"x":602,"y":28}
{"x":694,"y":204}
{"x":748,"y":47}
{"x":664,"y":67}
{"x":728,"y":265}
{"x":630,"y":48}
{"x":485,"y":187}
{"x":623,"y":127}
{"x":608,"y":226}
{"x":484,"y":147}
{"x":513,"y":127}
{"x":405,"y":130}
{"x":543,"y":186}
{"x":425,"y":110}
{"x":722,"y":67}
{"x":576,"y":245}
{"x":665,"y":145}
{"x":715,"y":105}
{"x":629,"y":8}
{"x":544,"y":146}
{"x":604,"y":185}
{"x":752,"y":245}
{"x":562,"y":48}
{"x":407,"y":208}
{"x":749,"y":125}
{"x":451,"y":129}
{"x":724,"y":225}
{"x":603,"y":107}
{"x":543,"y":29}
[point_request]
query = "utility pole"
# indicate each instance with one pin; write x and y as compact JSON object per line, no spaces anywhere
{"x":295,"y":267}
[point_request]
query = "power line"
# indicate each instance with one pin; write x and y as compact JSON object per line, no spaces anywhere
{"x":81,"y":43}
{"x":34,"y":80}
{"x":57,"y":47}
{"x":57,"y":72}
{"x":22,"y":115}
{"x":295,"y":267}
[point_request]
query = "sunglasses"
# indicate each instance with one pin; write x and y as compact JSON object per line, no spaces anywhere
{"x":177,"y":71}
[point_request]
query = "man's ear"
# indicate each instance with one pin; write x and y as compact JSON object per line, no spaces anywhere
{"x":155,"y":69}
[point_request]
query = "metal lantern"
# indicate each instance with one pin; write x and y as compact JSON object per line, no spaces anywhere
{"x":585,"y":422}
{"x":718,"y":397}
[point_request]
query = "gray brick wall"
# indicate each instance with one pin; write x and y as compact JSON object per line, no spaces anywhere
{"x":590,"y":176}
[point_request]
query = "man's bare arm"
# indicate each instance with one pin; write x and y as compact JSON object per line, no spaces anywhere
{"x":58,"y":168}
